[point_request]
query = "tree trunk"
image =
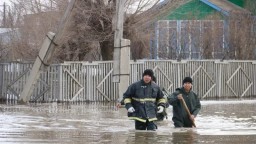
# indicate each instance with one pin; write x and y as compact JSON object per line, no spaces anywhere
{"x":107,"y":49}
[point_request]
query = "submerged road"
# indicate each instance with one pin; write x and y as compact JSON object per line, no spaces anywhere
{"x":226,"y":122}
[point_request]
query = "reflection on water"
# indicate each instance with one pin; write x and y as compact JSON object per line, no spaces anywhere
{"x":229,"y":122}
{"x":188,"y":137}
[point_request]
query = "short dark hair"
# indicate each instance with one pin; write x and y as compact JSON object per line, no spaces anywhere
{"x":187,"y":79}
{"x":148,"y":72}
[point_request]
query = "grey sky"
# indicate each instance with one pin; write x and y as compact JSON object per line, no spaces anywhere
{"x":6,"y":1}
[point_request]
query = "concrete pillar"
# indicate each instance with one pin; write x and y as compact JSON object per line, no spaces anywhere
{"x":124,"y":66}
{"x":37,"y":67}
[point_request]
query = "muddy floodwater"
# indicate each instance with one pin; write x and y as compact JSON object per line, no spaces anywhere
{"x":229,"y":122}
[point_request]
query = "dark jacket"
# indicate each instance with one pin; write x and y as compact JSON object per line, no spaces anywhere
{"x":179,"y":112}
{"x":163,"y":115}
{"x":144,"y":98}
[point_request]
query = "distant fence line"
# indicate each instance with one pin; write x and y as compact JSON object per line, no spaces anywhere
{"x":85,"y":81}
{"x":186,"y":39}
{"x":193,"y":39}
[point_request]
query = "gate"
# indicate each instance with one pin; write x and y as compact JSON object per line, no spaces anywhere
{"x":92,"y":81}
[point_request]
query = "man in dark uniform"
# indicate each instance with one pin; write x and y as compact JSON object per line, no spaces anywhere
{"x":180,"y":116}
{"x":143,"y":99}
{"x":120,"y":102}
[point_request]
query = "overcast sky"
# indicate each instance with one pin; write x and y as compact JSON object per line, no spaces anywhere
{"x":2,"y":2}
{"x":8,"y":1}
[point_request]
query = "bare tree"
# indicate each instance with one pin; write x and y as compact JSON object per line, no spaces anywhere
{"x":242,"y":38}
{"x":88,"y":34}
{"x":92,"y":28}
{"x":30,"y":20}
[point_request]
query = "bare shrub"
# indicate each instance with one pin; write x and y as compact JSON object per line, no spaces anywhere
{"x":242,"y":37}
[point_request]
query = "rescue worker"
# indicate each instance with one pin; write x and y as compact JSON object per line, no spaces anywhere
{"x":180,"y":116}
{"x":143,"y":99}
{"x":120,"y":102}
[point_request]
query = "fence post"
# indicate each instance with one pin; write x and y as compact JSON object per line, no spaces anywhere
{"x":179,"y":75}
{"x":1,"y":80}
{"x":60,"y":72}
{"x":219,"y":85}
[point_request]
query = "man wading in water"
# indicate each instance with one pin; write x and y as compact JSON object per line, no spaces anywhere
{"x":159,"y":116}
{"x":143,"y":99}
{"x":186,"y":105}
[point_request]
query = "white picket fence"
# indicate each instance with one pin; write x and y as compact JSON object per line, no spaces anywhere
{"x":92,"y":81}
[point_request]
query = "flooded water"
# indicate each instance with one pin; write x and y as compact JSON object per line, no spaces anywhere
{"x":229,"y":122}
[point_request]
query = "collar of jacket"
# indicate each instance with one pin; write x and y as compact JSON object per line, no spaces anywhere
{"x":145,"y":84}
{"x":183,"y":90}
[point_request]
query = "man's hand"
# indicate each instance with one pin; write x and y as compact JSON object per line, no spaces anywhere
{"x":118,"y":105}
{"x":192,"y":117}
{"x":180,"y":97}
{"x":131,"y":110}
{"x":160,"y":109}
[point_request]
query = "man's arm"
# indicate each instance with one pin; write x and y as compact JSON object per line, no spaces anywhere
{"x":128,"y":96}
{"x":197,"y":106}
{"x":160,"y":98}
{"x":173,"y":98}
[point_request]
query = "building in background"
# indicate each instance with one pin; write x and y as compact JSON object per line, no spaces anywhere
{"x":198,"y":29}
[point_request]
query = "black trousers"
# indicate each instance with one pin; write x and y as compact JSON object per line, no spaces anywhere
{"x":145,"y":126}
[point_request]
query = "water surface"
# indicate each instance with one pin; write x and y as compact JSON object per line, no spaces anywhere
{"x":228,"y":122}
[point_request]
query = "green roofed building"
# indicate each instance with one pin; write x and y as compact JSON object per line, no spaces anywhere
{"x":197,"y":29}
{"x":197,"y":10}
{"x":191,"y":11}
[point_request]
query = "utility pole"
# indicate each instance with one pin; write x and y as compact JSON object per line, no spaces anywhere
{"x":121,"y":56}
{"x":45,"y":54}
{"x":4,"y":17}
{"x":119,"y":20}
